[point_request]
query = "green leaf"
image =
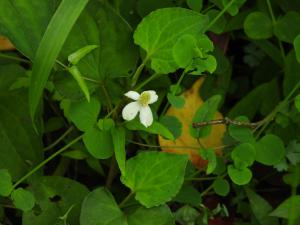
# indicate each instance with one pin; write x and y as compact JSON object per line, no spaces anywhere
{"x":258,"y":26}
{"x":297,"y":47}
{"x":160,"y":30}
{"x":187,"y":215}
{"x":118,"y":136}
{"x":156,"y":215}
{"x":269,"y":150}
{"x":184,"y":49}
{"x":155,"y":128}
{"x":73,"y":70}
{"x":260,"y":208}
{"x":106,"y":124}
{"x":23,"y":199}
{"x":286,"y":27}
{"x":99,"y":208}
{"x":98,"y":143}
{"x":25,"y":30}
{"x":243,"y":155}
{"x":173,"y":124}
{"x":221,"y":187}
{"x":205,"y":112}
{"x":239,"y":176}
{"x":75,"y":57}
{"x":219,"y":26}
{"x":5,"y":183}
{"x":84,"y":114}
{"x":21,"y":147}
{"x":76,"y":154}
{"x":209,"y":155}
{"x":195,"y":5}
{"x":176,"y":101}
{"x":297,"y":102}
{"x":234,"y":7}
{"x":50,"y":46}
{"x":55,"y":196}
{"x":241,"y":133}
{"x":288,"y":209}
{"x":291,"y":68}
{"x":188,"y":194}
{"x":155,"y":177}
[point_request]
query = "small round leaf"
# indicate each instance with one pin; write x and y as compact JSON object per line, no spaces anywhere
{"x":221,"y":187}
{"x":23,"y":199}
{"x":5,"y":183}
{"x":258,"y":26}
{"x":243,"y":153}
{"x":239,"y":176}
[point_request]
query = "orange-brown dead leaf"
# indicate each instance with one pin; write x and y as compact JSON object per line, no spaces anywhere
{"x":5,"y":44}
{"x":192,"y":102}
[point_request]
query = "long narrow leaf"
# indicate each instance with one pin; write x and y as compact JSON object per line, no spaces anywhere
{"x":50,"y":46}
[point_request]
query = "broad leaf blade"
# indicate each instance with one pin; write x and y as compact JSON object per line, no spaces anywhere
{"x":118,"y":136}
{"x":50,"y":46}
{"x":155,"y":177}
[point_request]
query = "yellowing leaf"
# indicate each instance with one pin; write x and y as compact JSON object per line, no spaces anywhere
{"x":185,"y":114}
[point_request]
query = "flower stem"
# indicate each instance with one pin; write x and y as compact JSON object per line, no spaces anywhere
{"x":138,"y":72}
{"x":58,"y":140}
{"x":126,"y":199}
{"x":46,"y":161}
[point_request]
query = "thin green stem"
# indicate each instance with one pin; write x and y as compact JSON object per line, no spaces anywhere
{"x":200,"y":178}
{"x":61,"y":64}
{"x":107,"y":96}
{"x":126,"y":199}
{"x":58,"y":140}
{"x":211,"y":186}
{"x":274,"y":23}
{"x":138,"y":72}
{"x":220,"y":14}
{"x":14,"y":58}
{"x":152,"y":77}
{"x":46,"y":161}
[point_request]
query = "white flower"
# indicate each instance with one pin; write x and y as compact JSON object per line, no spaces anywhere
{"x":140,"y":105}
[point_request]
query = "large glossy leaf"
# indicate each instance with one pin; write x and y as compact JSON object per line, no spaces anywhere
{"x":159,"y":31}
{"x":24,"y":22}
{"x":55,"y":196}
{"x":53,"y":39}
{"x":155,"y":177}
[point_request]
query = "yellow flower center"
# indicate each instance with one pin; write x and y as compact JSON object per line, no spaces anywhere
{"x":144,"y":98}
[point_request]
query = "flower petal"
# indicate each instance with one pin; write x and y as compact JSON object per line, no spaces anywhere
{"x":130,"y":111}
{"x":133,"y":95}
{"x":146,"y":117}
{"x":153,"y":96}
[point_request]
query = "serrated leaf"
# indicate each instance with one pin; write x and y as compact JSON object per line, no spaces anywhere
{"x":155,"y":128}
{"x":205,"y":113}
{"x":269,"y":150}
{"x":84,"y":114}
{"x":99,"y":208}
{"x":258,"y":25}
{"x":75,"y":57}
{"x":50,"y":46}
{"x":98,"y":143}
{"x":160,"y":30}
{"x":260,"y":208}
{"x":23,"y":199}
{"x":239,"y":176}
{"x":221,"y":187}
{"x":5,"y":183}
{"x":118,"y":136}
{"x":155,"y":177}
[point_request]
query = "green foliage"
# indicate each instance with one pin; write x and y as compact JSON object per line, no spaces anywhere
{"x":152,"y":178}
{"x":77,"y":60}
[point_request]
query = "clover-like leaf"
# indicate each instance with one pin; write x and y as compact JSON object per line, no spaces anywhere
{"x":5,"y":182}
{"x":23,"y":199}
{"x":239,"y":176}
{"x":155,"y":177}
{"x":269,"y":150}
{"x":221,"y":186}
{"x":258,"y":25}
{"x":243,"y":155}
{"x":160,"y":30}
